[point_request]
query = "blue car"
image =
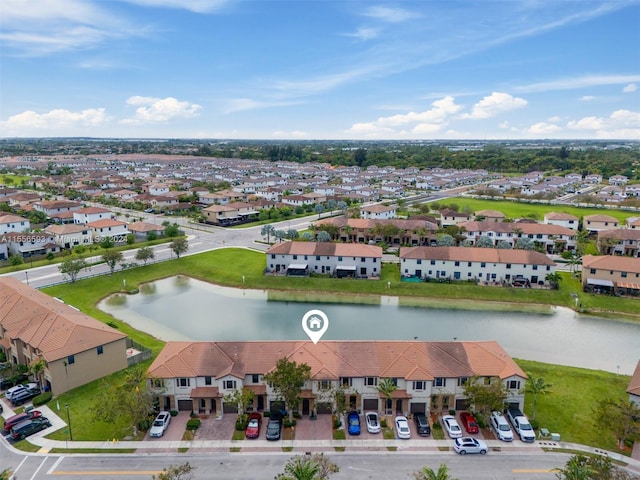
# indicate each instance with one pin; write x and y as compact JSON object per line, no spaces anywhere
{"x":353,"y":420}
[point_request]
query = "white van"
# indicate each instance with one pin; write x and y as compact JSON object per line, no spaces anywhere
{"x":501,"y":427}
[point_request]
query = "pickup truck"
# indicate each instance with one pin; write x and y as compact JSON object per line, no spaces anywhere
{"x":521,"y":425}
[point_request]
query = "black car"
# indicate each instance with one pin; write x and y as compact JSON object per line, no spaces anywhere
{"x":24,"y":396}
{"x":274,"y":427}
{"x":29,"y":427}
{"x":422,"y":424}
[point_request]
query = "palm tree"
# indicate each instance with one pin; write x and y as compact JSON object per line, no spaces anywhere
{"x":536,"y":386}
{"x":37,"y":368}
{"x":386,"y":387}
{"x":576,"y":468}
{"x":554,"y":280}
{"x":299,"y":468}
{"x":428,"y":474}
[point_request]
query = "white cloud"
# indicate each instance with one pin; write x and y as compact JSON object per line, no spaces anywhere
{"x":27,"y":122}
{"x":494,"y":104}
{"x":577,"y":82}
{"x":196,"y":6}
{"x":632,"y":87}
{"x":364,"y":33}
{"x":543,"y":128}
{"x":154,"y":110}
{"x":587,"y":98}
{"x":387,"y":14}
{"x":623,"y":124}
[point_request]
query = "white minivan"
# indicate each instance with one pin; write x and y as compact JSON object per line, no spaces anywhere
{"x":501,"y":427}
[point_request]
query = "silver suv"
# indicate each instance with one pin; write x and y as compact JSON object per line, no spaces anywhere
{"x":501,"y":427}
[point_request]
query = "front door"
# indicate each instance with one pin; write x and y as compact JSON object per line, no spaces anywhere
{"x":260,"y":403}
{"x":305,"y":406}
{"x":399,"y":405}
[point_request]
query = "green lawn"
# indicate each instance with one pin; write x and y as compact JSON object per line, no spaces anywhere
{"x":568,"y":407}
{"x":514,"y":209}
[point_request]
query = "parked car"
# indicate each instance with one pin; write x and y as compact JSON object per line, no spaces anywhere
{"x":160,"y":424}
{"x":274,"y":427}
{"x":521,"y":425}
{"x":20,"y":417}
{"x":23,"y":396}
{"x":402,"y":427}
{"x":422,"y":424}
{"x":469,"y":422}
{"x":373,"y":422}
{"x":253,"y":425}
{"x":464,"y":445}
{"x":29,"y":427}
{"x":353,"y":422}
{"x":18,"y":388}
{"x":451,"y":426}
{"x":501,"y":427}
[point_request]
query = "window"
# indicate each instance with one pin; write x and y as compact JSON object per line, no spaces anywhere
{"x":273,"y":255}
{"x":255,"y":378}
{"x":508,"y":265}
{"x":157,"y":382}
{"x":324,"y":384}
{"x":624,"y":274}
{"x":71,"y":359}
{"x":462,"y":381}
{"x":483,"y":265}
{"x":514,"y":385}
{"x":317,"y":257}
{"x":346,"y":382}
{"x":371,"y":381}
{"x":535,"y":267}
{"x":99,"y":349}
{"x":230,"y":384}
{"x":339,"y":259}
{"x":457,"y":264}
{"x":433,"y":262}
{"x":439,"y":382}
{"x":593,"y":270}
{"x":295,"y":257}
{"x":207,"y":380}
{"x":363,"y":259}
{"x":419,"y":385}
{"x":183,"y":382}
{"x":419,"y":261}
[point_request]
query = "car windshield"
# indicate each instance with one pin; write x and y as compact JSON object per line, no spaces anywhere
{"x":454,"y":427}
{"x":253,"y":423}
{"x":157,"y":423}
{"x":525,"y":426}
{"x":504,"y":427}
{"x":353,"y":421}
{"x":373,"y":421}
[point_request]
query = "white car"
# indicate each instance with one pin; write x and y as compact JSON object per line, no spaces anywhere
{"x":402,"y":427}
{"x":19,"y":388}
{"x":501,"y":427}
{"x":450,"y":424}
{"x":373,"y":422}
{"x":464,"y":445}
{"x":160,"y":424}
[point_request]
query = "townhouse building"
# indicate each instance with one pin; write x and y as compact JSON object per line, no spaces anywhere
{"x":495,"y":265}
{"x":552,"y":238}
{"x":114,"y":229}
{"x":27,"y":244}
{"x":91,"y":214}
{"x":230,"y":214}
{"x":325,"y":258}
{"x":632,"y":190}
{"x":22,"y":199}
{"x":611,"y":274}
{"x":70,"y":235}
{"x":561,"y":219}
{"x":76,"y":348}
{"x":395,"y":231}
{"x":595,"y":223}
{"x":451,"y":217}
{"x":378,"y":212}
{"x":619,"y":241}
{"x":54,"y":207}
{"x":429,"y":376}
{"x":13,"y":223}
{"x":490,"y":215}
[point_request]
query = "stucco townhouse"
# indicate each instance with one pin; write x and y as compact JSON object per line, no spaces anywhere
{"x":611,"y":274}
{"x":91,"y":214}
{"x":70,"y":235}
{"x":562,"y":219}
{"x":114,"y":229}
{"x":619,"y":241}
{"x":230,"y":214}
{"x":496,"y":265}
{"x":429,"y":376}
{"x":553,"y":238}
{"x":324,"y":258}
{"x":76,"y":348}
{"x":54,"y":207}
{"x":595,"y":223}
{"x":378,"y":212}
{"x":13,"y":223}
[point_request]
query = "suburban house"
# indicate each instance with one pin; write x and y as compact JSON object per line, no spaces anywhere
{"x":451,"y":217}
{"x":378,"y":212}
{"x":115,"y":229}
{"x":76,"y":348}
{"x":230,"y":214}
{"x":27,"y":244}
{"x":597,"y":222}
{"x":91,"y":214}
{"x":53,"y":207}
{"x":490,"y":215}
{"x":335,"y":259}
{"x":496,"y":265}
{"x":22,"y":199}
{"x":141,"y":229}
{"x":611,"y":274}
{"x":13,"y":223}
{"x":619,"y":241}
{"x":429,"y":376}
{"x":562,"y":219}
{"x":634,"y":386}
{"x":70,"y":235}
{"x":394,"y":231}
{"x":553,"y":238}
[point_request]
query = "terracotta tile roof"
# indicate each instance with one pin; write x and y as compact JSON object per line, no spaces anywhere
{"x":559,"y":216}
{"x":326,"y":249}
{"x":53,"y":328}
{"x":105,"y":222}
{"x":490,"y":214}
{"x":10,"y":218}
{"x":205,"y":392}
{"x":611,"y":262}
{"x":145,"y":227}
{"x":91,"y":210}
{"x":331,"y":360}
{"x":65,"y":229}
{"x":367,"y":224}
{"x":600,"y":218}
{"x":634,"y":383}
{"x":620,"y":234}
{"x":527,"y":228}
{"x":476,"y":254}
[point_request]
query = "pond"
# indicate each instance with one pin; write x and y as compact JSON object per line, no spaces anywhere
{"x":182,"y":308}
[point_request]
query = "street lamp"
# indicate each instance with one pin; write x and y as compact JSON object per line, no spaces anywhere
{"x":69,"y":423}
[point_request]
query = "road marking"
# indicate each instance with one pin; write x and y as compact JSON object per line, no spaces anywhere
{"x":109,"y":472}
{"x":55,"y":465}
{"x":35,"y":474}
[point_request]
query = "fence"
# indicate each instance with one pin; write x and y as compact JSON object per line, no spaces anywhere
{"x":143,"y":353}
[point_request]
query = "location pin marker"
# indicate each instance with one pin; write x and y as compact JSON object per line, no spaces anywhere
{"x":314,"y":324}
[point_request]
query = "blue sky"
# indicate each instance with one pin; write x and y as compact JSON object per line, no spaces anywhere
{"x":320,"y":69}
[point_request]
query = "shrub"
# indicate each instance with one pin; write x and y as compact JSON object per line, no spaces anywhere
{"x":174,"y":413}
{"x":535,"y":424}
{"x":193,"y":424}
{"x":145,"y":424}
{"x":266,"y":414}
{"x":112,"y":324}
{"x":50,"y":256}
{"x":241,"y":422}
{"x":297,"y":415}
{"x":337,"y":423}
{"x":383,"y":423}
{"x":290,"y":423}
{"x":452,"y":412}
{"x":42,"y":399}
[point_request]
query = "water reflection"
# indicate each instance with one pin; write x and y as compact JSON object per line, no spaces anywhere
{"x":180,"y":308}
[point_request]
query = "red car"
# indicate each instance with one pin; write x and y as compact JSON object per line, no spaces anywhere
{"x":253,"y":425}
{"x":21,"y":417}
{"x":469,"y":422}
